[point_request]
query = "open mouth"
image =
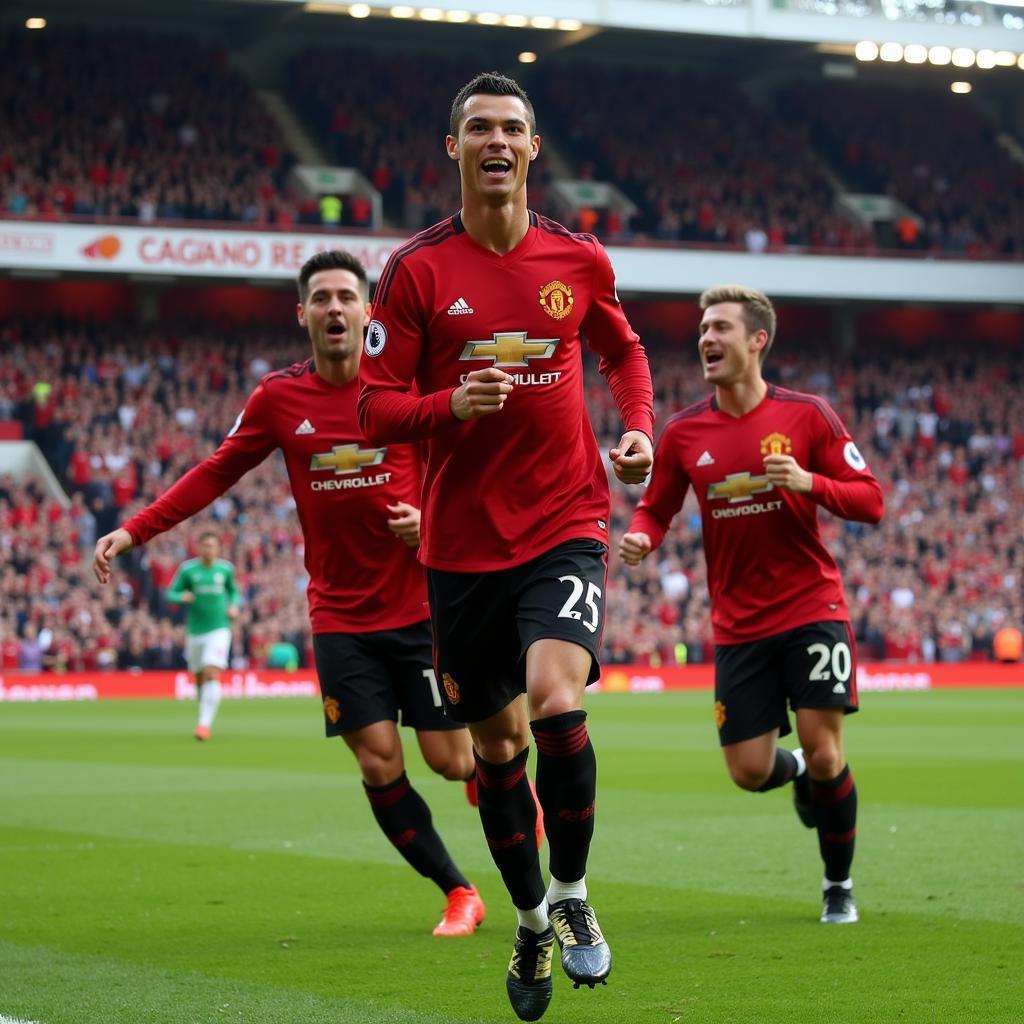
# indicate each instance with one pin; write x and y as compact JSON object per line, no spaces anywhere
{"x":496,"y":167}
{"x":336,"y":331}
{"x":712,"y":359}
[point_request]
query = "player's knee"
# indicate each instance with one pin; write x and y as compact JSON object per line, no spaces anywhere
{"x":499,"y":749}
{"x":824,"y":762}
{"x":748,"y":777}
{"x":556,"y":701}
{"x":376,"y":767}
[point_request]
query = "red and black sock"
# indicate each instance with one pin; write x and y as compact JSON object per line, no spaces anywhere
{"x":405,"y":819}
{"x":509,"y":817}
{"x":566,"y":788}
{"x":783,"y":770}
{"x":835,"y":811}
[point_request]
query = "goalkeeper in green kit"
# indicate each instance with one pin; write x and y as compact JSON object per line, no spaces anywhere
{"x":206,"y":586}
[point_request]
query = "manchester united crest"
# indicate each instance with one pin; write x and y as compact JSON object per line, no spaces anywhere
{"x":451,"y":689}
{"x":557,"y":300}
{"x":719,"y":714}
{"x":776,"y":444}
{"x":332,"y":709}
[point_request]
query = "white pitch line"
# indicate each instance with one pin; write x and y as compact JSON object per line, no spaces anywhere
{"x":15,"y":1020}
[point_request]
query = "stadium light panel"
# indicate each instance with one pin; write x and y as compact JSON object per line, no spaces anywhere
{"x":865,"y":50}
{"x":431,"y":14}
{"x":891,"y":52}
{"x":458,"y":17}
{"x":986,"y":59}
{"x":488,"y":18}
{"x":1020,"y":62}
{"x":527,"y":57}
{"x":35,"y":23}
{"x":542,"y":21}
{"x":1005,"y":59}
{"x":915,"y":53}
{"x":960,"y":88}
{"x":359,"y":10}
{"x":515,"y":20}
{"x":963,"y":57}
{"x":940,"y":55}
{"x":569,"y":24}
{"x":402,"y":12}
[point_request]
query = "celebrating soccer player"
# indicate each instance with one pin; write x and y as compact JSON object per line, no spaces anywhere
{"x":367,"y":594}
{"x":206,"y":586}
{"x":476,"y":345}
{"x":761,"y":460}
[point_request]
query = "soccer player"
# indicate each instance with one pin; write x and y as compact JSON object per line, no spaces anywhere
{"x":761,"y":459}
{"x":475,"y":345}
{"x":367,"y":593}
{"x":206,"y":586}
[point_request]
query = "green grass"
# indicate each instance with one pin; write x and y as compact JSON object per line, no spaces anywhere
{"x":148,"y":878}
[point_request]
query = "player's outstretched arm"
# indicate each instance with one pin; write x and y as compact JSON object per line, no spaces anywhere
{"x":107,"y":549}
{"x":633,"y":457}
{"x":405,"y":523}
{"x":634,"y":548}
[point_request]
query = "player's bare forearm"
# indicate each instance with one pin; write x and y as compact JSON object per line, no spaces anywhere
{"x":107,"y":549}
{"x":633,"y":457}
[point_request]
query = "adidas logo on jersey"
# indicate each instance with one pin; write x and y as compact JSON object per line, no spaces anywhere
{"x":460,"y":307}
{"x":706,"y":460}
{"x":305,"y":427}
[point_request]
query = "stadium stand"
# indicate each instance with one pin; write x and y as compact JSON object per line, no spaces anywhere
{"x":127,"y":413}
{"x":937,"y":154}
{"x":128,"y":125}
{"x":712,"y":168}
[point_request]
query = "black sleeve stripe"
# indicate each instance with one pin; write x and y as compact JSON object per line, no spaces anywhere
{"x":552,"y":227}
{"x":432,"y":236}
{"x":295,"y":370}
{"x":834,"y":422}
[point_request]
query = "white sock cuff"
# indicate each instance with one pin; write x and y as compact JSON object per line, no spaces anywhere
{"x":567,"y":890}
{"x":801,"y":764}
{"x":537,"y":919}
{"x":827,"y":883}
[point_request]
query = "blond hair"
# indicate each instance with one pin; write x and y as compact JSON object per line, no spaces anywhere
{"x":758,"y":311}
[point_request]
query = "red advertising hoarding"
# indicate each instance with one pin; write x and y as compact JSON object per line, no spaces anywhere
{"x":871,"y":677}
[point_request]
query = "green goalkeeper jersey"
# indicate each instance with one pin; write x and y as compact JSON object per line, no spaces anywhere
{"x":215,"y":591}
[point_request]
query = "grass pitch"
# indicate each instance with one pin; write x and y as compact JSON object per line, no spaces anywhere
{"x":145,"y":877}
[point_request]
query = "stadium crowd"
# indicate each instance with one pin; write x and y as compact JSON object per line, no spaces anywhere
{"x":122,"y":414}
{"x":129,"y":125}
{"x":165,"y":128}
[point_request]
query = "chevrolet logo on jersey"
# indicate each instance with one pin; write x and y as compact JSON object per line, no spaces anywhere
{"x":510,"y":348}
{"x":348,"y":458}
{"x":739,"y":487}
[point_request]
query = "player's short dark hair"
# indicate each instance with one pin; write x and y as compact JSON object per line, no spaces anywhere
{"x":758,"y":311}
{"x":489,"y":83}
{"x":209,"y":533}
{"x":332,"y":259}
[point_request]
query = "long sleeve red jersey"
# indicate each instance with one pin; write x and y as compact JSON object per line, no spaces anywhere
{"x":361,"y":576}
{"x":768,"y":569}
{"x":502,"y":489}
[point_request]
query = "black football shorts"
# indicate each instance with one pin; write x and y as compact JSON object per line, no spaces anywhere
{"x":485,"y":622}
{"x":811,"y":666}
{"x":371,"y":677}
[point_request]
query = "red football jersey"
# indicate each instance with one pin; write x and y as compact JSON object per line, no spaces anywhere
{"x":768,"y":569}
{"x":502,"y":489}
{"x":361,"y":576}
